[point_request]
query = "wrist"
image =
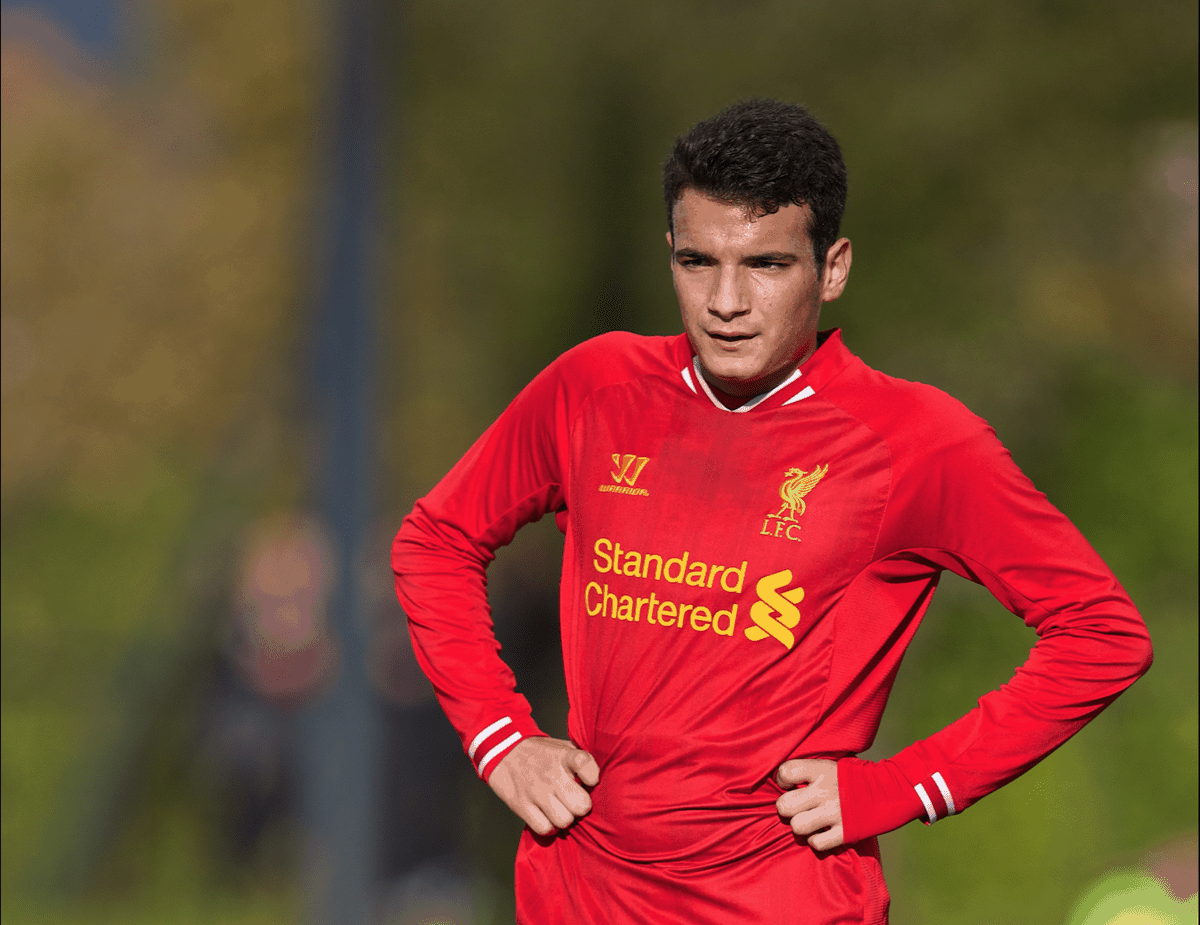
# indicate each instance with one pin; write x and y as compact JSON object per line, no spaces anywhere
{"x":494,"y":741}
{"x":876,"y":798}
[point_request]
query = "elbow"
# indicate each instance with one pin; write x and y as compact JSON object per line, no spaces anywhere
{"x":1144,"y":655}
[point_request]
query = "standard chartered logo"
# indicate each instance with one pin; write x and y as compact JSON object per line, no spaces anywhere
{"x":629,"y":571}
{"x":775,"y":614}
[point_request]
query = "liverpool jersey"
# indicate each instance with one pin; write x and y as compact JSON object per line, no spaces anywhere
{"x":738,"y":589}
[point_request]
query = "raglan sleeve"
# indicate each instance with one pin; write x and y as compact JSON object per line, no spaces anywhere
{"x":966,"y":507}
{"x":513,"y":475}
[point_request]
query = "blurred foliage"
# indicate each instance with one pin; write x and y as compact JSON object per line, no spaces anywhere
{"x":153,"y":227}
{"x":1023,"y":210}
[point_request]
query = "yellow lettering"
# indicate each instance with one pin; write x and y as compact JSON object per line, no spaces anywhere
{"x":712,"y":573}
{"x":637,"y":609}
{"x":667,"y":609}
{"x":778,"y":529}
{"x":696,"y":574}
{"x":657,"y":566}
{"x":701,"y":618}
{"x":737,"y":585}
{"x":587,"y":600}
{"x":650,"y":610}
{"x":626,"y":608}
{"x":601,"y":552}
{"x":682,"y":562}
{"x":790,"y":528}
{"x":617,"y":558}
{"x":731,"y":613}
{"x":609,"y":597}
{"x":764,"y":531}
{"x":683,"y":609}
{"x":633,"y":564}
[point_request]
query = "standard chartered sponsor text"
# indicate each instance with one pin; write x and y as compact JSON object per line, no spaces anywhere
{"x":611,"y":558}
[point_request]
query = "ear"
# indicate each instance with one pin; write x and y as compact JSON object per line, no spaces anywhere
{"x":671,"y":244}
{"x":837,"y":269}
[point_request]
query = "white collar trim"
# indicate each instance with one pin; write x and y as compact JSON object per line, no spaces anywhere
{"x":752,"y":403}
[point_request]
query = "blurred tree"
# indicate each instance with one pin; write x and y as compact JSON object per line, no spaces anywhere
{"x":152,"y":236}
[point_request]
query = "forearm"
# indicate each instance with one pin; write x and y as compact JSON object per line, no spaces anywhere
{"x":1080,"y":664}
{"x":442,"y":585}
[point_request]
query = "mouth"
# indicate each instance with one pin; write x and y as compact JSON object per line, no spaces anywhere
{"x":729,"y":338}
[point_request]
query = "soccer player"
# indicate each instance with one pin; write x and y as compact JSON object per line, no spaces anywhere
{"x":755,"y":524}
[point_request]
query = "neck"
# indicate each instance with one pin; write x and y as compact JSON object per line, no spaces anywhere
{"x":729,"y":401}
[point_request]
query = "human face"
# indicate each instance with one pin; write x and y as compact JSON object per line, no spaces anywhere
{"x":749,"y":289}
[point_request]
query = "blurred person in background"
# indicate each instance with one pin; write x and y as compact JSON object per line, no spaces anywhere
{"x":278,"y":655}
{"x":755,"y":525}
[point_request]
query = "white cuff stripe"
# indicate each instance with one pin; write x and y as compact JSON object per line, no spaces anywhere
{"x":515,"y":737}
{"x":941,"y":782}
{"x":687,"y":377}
{"x":479,"y":739}
{"x":920,"y":788}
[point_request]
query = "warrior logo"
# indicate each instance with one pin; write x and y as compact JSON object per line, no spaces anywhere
{"x":771,"y":602}
{"x":628,"y":468}
{"x":796,"y":484}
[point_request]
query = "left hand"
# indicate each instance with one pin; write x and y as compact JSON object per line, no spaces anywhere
{"x":814,"y":809}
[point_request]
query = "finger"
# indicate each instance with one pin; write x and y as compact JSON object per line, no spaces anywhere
{"x":556,"y":812}
{"x":575,"y":798}
{"x":798,"y":801}
{"x":535,"y":819}
{"x":793,"y":772}
{"x":826,"y":841}
{"x":813,"y":821}
{"x":584,"y":767}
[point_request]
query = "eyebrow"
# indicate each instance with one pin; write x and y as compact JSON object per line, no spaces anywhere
{"x":766,"y":257}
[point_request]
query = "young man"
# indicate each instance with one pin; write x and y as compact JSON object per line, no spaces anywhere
{"x":755,"y":524}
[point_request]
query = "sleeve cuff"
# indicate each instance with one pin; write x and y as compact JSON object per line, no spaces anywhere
{"x":876,"y":798}
{"x":495,"y":740}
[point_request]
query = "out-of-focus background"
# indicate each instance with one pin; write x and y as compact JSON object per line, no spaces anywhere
{"x":270,"y":267}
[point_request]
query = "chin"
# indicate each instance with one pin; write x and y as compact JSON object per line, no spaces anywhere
{"x":732,"y":373}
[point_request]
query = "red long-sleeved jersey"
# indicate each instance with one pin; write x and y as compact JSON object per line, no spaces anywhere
{"x":738,"y":589}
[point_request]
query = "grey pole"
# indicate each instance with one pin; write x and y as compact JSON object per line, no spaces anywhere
{"x":338,"y":733}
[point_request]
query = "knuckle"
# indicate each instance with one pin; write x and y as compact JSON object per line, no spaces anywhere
{"x":579,"y":803}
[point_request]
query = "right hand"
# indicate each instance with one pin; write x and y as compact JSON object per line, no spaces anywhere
{"x":537,"y":780}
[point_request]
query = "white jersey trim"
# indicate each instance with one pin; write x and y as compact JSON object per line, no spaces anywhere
{"x":933,"y":817}
{"x":687,"y":377}
{"x":752,"y":403}
{"x":804,"y":393}
{"x":941,"y":784}
{"x":515,"y":737}
{"x":479,"y":739}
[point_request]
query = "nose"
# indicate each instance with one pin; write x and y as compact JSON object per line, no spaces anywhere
{"x":728,"y":299}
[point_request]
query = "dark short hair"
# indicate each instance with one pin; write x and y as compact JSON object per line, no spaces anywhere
{"x":763,"y":154}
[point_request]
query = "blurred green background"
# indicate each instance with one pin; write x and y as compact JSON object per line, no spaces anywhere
{"x":1023,"y":208}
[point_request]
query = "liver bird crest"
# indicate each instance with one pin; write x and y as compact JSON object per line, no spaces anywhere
{"x":796,"y":484}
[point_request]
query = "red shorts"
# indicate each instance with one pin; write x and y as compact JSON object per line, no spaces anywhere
{"x":567,"y":879}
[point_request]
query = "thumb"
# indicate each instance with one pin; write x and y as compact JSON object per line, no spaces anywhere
{"x":584,"y":766}
{"x":793,"y":772}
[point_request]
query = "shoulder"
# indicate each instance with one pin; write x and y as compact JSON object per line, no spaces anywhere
{"x":910,"y":417}
{"x":592,"y":367}
{"x":620,"y":356}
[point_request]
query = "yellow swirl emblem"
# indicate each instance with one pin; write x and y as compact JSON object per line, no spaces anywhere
{"x":775,"y":614}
